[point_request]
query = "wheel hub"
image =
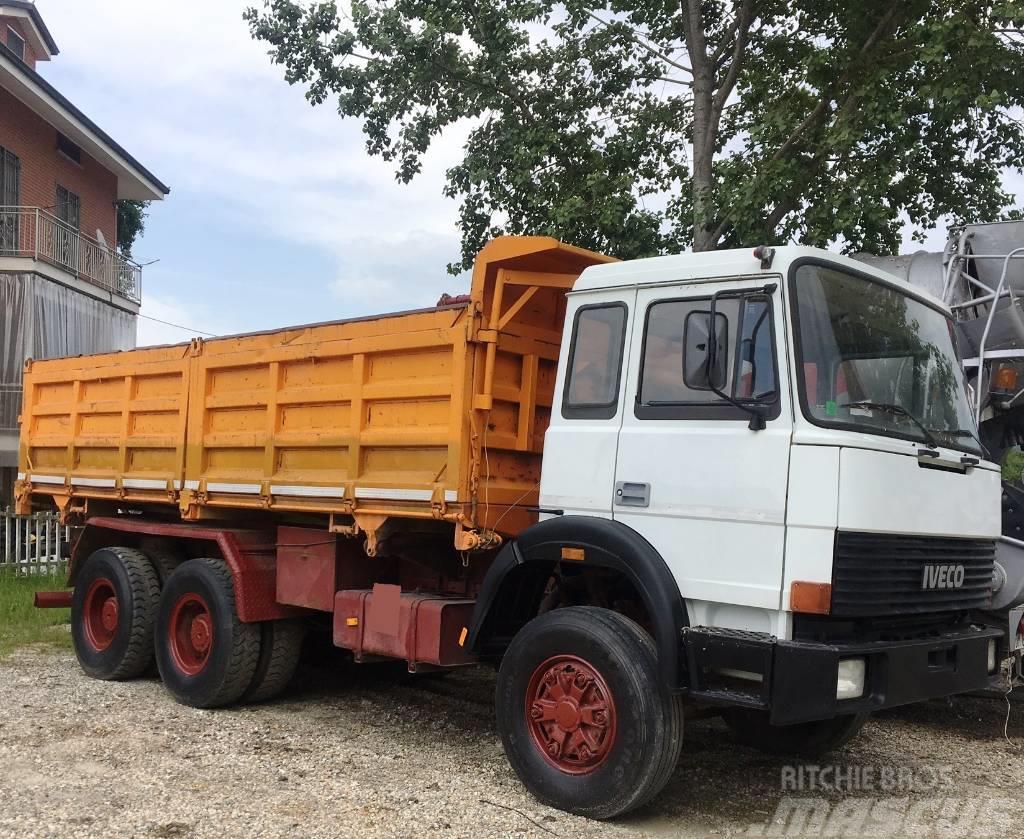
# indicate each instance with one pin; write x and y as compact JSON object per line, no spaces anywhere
{"x":571,"y":714}
{"x":190,"y":633}
{"x":108,"y":614}
{"x":100,"y":614}
{"x":199,"y":633}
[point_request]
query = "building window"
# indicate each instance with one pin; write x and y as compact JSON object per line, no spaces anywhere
{"x":10,"y":188}
{"x":68,"y":207}
{"x":69,"y":149}
{"x":10,"y":178}
{"x":15,"y":43}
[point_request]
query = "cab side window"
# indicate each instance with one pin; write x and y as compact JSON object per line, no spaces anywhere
{"x":595,"y":362}
{"x":755,"y":375}
{"x":675,"y":382}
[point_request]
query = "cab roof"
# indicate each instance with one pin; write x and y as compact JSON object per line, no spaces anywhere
{"x":737,"y":262}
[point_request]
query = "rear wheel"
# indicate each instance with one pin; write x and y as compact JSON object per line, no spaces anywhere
{"x":113,"y":612}
{"x":280,"y":644}
{"x":207,"y":657}
{"x":164,"y":555}
{"x":585,"y":719}
{"x":805,"y":739}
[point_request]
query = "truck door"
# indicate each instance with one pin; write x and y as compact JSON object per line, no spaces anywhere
{"x":692,"y":477}
{"x":579,"y":448}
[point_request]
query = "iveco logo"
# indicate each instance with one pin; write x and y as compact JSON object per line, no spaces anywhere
{"x":942,"y":576}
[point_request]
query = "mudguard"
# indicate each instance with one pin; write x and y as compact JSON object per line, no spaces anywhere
{"x":514,"y":585}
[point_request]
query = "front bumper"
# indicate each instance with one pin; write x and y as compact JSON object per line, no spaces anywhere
{"x":795,"y":681}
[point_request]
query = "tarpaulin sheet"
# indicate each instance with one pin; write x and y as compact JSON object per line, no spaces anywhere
{"x":43,"y":319}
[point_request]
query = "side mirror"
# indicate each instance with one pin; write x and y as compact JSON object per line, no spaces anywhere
{"x":705,"y":351}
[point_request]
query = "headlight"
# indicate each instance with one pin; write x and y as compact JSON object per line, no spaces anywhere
{"x":851,"y":678}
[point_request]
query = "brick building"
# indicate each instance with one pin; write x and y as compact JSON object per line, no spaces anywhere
{"x":65,"y":289}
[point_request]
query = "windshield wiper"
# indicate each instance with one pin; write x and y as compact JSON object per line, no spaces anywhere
{"x":964,"y":432}
{"x":899,"y":410}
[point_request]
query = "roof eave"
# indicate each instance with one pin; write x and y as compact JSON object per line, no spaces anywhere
{"x":41,"y":34}
{"x":134,"y":181}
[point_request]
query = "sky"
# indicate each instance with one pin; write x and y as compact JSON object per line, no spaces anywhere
{"x":277,"y":216}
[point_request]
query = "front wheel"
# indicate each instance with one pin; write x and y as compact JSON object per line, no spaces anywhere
{"x":585,"y":719}
{"x":804,"y":739}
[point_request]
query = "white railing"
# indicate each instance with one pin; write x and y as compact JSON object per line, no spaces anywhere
{"x":32,"y":232}
{"x":32,"y":544}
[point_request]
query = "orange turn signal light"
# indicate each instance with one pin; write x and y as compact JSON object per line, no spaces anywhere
{"x":810,"y":598}
{"x":1005,"y":378}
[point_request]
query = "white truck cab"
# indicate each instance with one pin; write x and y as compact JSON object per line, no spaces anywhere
{"x":806,"y":464}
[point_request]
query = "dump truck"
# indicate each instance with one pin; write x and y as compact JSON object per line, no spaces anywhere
{"x":743,"y":483}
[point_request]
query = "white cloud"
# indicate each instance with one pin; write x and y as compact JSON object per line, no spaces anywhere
{"x":198,"y":102}
{"x":184,"y":88}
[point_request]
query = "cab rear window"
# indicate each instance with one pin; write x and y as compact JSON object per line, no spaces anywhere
{"x":595,"y":362}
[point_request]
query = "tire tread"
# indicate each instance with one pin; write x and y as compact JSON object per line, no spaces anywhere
{"x":279,"y":656}
{"x":245,"y":650}
{"x":145,"y":587}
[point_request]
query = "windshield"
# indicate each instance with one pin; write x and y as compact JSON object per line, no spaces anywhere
{"x":862,"y":341}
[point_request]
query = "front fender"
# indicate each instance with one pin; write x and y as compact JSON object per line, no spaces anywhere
{"x":514,"y":584}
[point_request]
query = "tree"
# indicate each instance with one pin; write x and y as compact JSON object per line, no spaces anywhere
{"x":638,"y":127}
{"x":131,"y":223}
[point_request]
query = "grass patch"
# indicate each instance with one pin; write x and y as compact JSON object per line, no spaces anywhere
{"x":21,"y":623}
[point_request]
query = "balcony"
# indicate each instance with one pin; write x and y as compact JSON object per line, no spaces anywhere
{"x":34,"y":233}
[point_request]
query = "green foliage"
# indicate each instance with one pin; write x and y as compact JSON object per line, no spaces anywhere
{"x":1013,"y":466}
{"x":131,"y":223}
{"x":20,"y":622}
{"x":640,"y":127}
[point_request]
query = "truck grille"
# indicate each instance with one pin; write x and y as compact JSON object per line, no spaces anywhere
{"x":882,"y":574}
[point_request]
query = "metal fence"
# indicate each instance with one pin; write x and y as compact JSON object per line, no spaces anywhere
{"x":32,"y":232}
{"x":33,"y":544}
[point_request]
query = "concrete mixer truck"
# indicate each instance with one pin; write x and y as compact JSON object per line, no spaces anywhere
{"x":980,"y":276}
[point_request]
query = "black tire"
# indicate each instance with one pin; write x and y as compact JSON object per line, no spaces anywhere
{"x":113,"y":613}
{"x":197,"y":604}
{"x":805,"y":739}
{"x":638,"y":745}
{"x":163,"y":554}
{"x":280,"y":644}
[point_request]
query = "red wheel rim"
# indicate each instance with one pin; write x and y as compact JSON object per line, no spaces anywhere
{"x":190,"y":633}
{"x":570,"y":712}
{"x":100,"y":614}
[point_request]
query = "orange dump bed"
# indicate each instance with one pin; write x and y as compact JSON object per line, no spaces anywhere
{"x":435,"y":414}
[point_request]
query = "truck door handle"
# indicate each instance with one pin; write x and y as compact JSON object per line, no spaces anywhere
{"x":629,"y":494}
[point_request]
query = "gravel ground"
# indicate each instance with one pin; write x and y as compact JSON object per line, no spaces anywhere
{"x":366,"y":751}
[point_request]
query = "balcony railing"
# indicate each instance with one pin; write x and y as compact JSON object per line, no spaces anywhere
{"x":37,"y":234}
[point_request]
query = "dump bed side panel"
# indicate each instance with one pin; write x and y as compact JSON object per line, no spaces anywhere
{"x":323,"y":417}
{"x":107,"y":425}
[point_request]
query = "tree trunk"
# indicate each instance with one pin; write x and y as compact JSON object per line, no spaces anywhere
{"x":703,"y":185}
{"x":703,"y":124}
